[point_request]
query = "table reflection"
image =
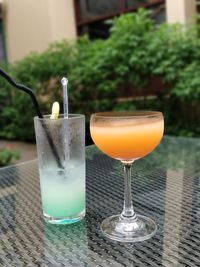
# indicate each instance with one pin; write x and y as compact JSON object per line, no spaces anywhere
{"x":62,"y":242}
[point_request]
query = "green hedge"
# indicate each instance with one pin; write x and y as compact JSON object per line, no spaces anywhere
{"x":99,"y":70}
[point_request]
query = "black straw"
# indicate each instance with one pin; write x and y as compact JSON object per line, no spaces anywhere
{"x":29,"y":91}
{"x":23,"y":88}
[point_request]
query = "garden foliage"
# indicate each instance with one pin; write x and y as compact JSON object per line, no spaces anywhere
{"x":100,"y":71}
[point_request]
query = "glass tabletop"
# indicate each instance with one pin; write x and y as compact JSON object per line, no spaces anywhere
{"x":165,"y":187}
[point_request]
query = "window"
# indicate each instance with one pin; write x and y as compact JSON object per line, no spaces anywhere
{"x":91,"y":15}
{"x":2,"y":40}
{"x":93,"y":9}
{"x":134,"y":3}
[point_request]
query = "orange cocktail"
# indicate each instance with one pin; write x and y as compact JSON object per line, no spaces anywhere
{"x":127,"y":136}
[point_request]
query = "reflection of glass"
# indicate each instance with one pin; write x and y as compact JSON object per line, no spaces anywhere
{"x":62,"y":186}
{"x":65,"y":245}
{"x":127,"y":136}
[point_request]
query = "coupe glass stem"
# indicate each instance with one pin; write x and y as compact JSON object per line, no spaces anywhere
{"x":128,"y":213}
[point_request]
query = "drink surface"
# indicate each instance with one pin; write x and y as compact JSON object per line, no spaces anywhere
{"x":63,"y":191}
{"x":127,"y":139}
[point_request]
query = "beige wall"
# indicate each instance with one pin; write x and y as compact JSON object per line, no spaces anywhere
{"x":182,"y":11}
{"x":62,"y":19}
{"x":30,"y":25}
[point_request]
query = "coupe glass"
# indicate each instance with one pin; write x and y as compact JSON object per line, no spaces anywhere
{"x":127,"y":136}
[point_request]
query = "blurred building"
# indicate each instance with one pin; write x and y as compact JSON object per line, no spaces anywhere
{"x":30,"y":25}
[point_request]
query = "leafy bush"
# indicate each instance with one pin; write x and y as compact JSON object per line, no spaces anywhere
{"x":101,"y":71}
{"x":7,"y":156}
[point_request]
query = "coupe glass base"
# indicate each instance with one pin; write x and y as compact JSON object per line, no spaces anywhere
{"x":140,"y":229}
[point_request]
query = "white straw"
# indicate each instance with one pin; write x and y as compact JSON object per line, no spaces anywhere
{"x":64,"y":83}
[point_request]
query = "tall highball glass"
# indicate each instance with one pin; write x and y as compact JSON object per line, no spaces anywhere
{"x":127,"y":136}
